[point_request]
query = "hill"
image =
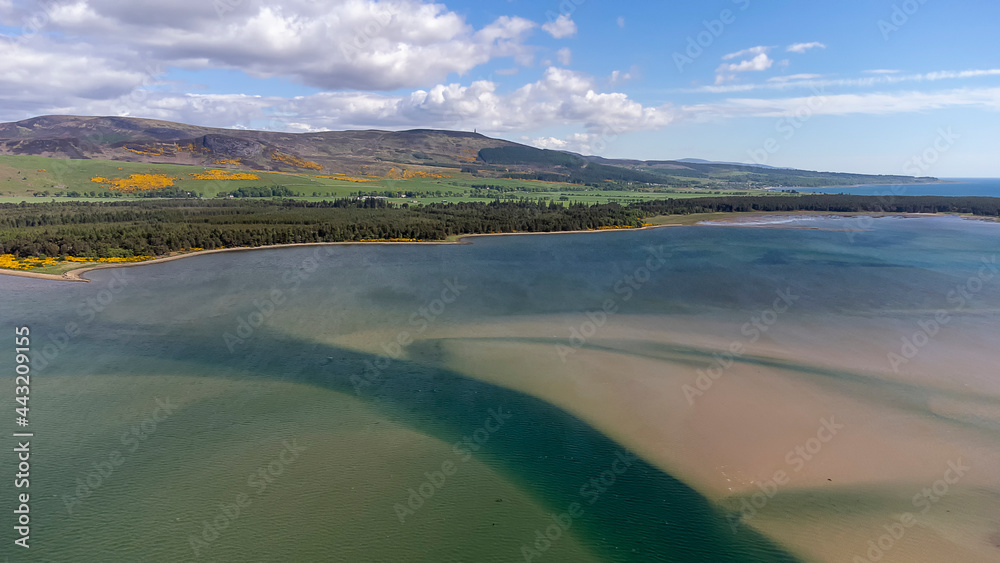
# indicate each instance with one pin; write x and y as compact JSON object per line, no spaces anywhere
{"x":383,"y":153}
{"x":162,"y":142}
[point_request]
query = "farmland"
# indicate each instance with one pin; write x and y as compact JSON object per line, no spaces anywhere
{"x":36,"y":178}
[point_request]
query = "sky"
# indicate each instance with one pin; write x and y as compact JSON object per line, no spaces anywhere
{"x":869,"y":86}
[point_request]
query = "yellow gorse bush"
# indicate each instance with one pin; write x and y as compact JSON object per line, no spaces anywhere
{"x":395,"y":174}
{"x":190,"y":147}
{"x":148,"y":151}
{"x":11,"y":262}
{"x":136,"y":182}
{"x":295,"y":161}
{"x":223,"y":175}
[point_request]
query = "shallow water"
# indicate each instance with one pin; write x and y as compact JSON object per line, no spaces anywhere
{"x":563,"y":355}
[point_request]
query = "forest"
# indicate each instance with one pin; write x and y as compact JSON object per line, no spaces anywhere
{"x":125,"y":228}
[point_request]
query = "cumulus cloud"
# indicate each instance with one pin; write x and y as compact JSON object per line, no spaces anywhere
{"x":561,"y":27}
{"x":727,"y":72}
{"x":547,"y":143}
{"x":582,"y":143}
{"x":352,"y":44}
{"x":758,"y":63}
{"x":560,"y":98}
{"x":803,"y":47}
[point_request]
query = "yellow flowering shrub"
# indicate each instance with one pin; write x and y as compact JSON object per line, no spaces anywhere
{"x":190,"y":147}
{"x":136,"y":182}
{"x":293,"y":160}
{"x":11,"y":262}
{"x":223,"y":175}
{"x":148,"y":151}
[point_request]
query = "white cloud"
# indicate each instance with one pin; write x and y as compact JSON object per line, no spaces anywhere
{"x":888,"y":78}
{"x":582,"y":143}
{"x":560,"y":98}
{"x":619,"y":76}
{"x":803,"y":47}
{"x":349,"y":44}
{"x":565,"y":56}
{"x":725,"y":73}
{"x":561,"y":27}
{"x":882,"y":71}
{"x":547,"y":143}
{"x":882,"y":103}
{"x":795,"y":77}
{"x":759,"y":63}
{"x":752,"y":51}
{"x":621,"y":22}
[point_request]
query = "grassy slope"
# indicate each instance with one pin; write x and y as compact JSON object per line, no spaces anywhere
{"x":22,"y":177}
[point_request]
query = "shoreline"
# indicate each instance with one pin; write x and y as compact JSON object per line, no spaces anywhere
{"x":778,"y":189}
{"x":691,"y":220}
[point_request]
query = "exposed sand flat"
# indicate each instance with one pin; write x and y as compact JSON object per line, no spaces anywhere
{"x":815,"y":404}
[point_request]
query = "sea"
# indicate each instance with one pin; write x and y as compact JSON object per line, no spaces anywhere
{"x":757,"y":392}
{"x":964,"y":187}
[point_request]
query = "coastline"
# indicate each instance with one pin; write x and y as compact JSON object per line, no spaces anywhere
{"x":778,"y":189}
{"x":76,"y":274}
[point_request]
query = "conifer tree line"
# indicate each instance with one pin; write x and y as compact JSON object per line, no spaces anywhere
{"x":158,"y":227}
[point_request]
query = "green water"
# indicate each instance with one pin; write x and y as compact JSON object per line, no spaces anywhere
{"x":239,"y":395}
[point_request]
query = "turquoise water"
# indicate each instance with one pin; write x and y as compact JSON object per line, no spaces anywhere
{"x":965,"y":187}
{"x":187,"y":330}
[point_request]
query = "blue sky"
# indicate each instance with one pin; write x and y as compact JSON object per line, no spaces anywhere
{"x":896,"y":87}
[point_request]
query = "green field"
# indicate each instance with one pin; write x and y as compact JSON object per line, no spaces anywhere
{"x":35,"y":178}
